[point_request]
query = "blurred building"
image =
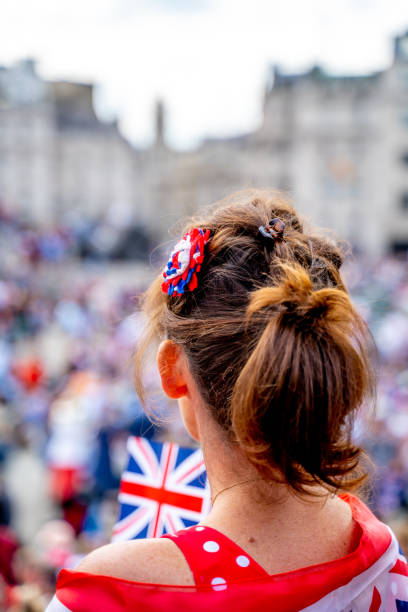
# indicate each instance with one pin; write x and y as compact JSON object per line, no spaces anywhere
{"x":56,"y":158}
{"x":338,"y":145}
{"x":27,"y":142}
{"x":96,"y":166}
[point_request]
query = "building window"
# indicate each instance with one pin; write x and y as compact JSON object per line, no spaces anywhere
{"x":404,"y":201}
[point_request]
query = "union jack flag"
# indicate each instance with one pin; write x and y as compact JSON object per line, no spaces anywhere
{"x":163,"y":489}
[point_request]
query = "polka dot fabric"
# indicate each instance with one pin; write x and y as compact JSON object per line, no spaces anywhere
{"x":215,"y":559}
{"x":372,"y":578}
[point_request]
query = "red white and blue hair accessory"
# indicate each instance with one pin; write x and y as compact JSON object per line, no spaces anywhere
{"x":185,"y":262}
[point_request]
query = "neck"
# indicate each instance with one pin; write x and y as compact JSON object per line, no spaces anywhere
{"x":280,"y":529}
{"x":238,"y":491}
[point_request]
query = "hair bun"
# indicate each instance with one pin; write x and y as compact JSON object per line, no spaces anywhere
{"x":295,"y":299}
{"x":294,"y":289}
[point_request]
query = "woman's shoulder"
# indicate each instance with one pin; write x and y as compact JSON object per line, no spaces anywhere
{"x":154,"y":561}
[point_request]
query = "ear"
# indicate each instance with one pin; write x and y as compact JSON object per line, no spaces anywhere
{"x":171,"y":370}
{"x":177,"y":383}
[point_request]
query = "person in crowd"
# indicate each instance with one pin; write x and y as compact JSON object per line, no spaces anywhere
{"x":269,"y":361}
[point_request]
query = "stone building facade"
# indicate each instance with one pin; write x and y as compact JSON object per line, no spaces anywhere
{"x":57,"y":159}
{"x":338,"y":145}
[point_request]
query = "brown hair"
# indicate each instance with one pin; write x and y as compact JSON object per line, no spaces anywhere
{"x":278,"y":351}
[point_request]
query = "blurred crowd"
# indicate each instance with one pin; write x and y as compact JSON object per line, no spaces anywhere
{"x":68,"y":329}
{"x":380,"y":290}
{"x":67,"y":333}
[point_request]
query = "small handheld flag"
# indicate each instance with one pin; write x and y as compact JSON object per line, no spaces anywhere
{"x":163,"y":489}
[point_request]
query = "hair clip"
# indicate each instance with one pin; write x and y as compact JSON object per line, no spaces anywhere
{"x":274,"y":230}
{"x":185,"y":262}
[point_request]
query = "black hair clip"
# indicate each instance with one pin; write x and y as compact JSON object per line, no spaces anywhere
{"x":274,"y":230}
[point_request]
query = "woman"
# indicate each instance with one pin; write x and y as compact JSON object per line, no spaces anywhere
{"x":269,"y":362}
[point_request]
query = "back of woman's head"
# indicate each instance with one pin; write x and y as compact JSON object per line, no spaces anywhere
{"x":278,"y":351}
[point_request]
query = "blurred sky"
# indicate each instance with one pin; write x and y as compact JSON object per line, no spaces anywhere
{"x":207,"y":59}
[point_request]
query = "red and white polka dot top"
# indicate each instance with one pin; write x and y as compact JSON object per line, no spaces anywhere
{"x":214,"y":558}
{"x":372,"y":578}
